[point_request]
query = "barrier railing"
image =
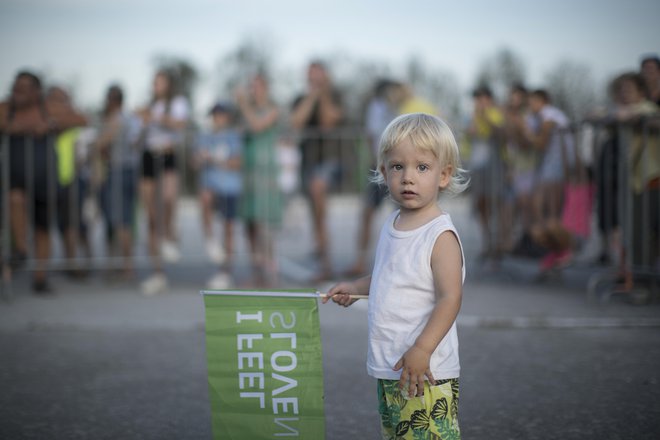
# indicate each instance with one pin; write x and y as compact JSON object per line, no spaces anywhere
{"x":609,"y":194}
{"x":618,"y":161}
{"x":70,"y":212}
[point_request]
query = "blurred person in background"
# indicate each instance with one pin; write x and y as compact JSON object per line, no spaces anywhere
{"x":644,"y":170}
{"x":406,"y":101}
{"x":28,"y":120}
{"x":116,"y":147}
{"x":552,"y":139}
{"x":218,"y":157}
{"x":522,"y":162}
{"x":627,"y":92}
{"x":316,"y":114}
{"x":164,"y":122}
{"x":73,"y":186}
{"x":380,"y":112}
{"x":650,"y":70}
{"x":485,"y":135}
{"x":261,"y":206}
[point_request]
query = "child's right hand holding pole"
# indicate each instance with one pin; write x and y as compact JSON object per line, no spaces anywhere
{"x":343,"y":293}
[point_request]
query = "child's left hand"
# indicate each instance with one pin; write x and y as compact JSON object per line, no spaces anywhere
{"x":416,"y":369}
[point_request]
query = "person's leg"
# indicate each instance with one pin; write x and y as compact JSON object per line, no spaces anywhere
{"x":483,"y":213}
{"x":364,"y":235}
{"x":148,"y":193}
{"x":252,"y":231}
{"x":206,"y":203}
{"x":318,"y":188}
{"x":229,"y":241}
{"x":375,"y":194}
{"x":170,"y":198}
{"x":42,"y":254}
{"x":18,"y":220}
{"x":270,"y":263}
{"x":555,"y":197}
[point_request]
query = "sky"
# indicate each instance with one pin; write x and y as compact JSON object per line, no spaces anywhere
{"x":87,"y":44}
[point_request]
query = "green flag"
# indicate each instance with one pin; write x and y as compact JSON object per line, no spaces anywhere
{"x":264,"y":364}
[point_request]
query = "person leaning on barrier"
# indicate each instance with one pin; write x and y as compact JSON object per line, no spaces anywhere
{"x":551,"y":138}
{"x":381,"y":110}
{"x":72,"y":186}
{"x":316,"y":113}
{"x":164,"y":122}
{"x":640,"y":117}
{"x":28,"y":121}
{"x":487,"y":170}
{"x":116,"y":151}
{"x":261,"y":205}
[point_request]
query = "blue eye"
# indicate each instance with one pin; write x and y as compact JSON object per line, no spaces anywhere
{"x":423,"y":167}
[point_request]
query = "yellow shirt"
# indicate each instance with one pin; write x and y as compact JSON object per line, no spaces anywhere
{"x":418,"y":105}
{"x":484,"y":125}
{"x":65,"y":148}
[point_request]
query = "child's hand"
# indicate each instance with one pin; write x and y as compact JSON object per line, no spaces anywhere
{"x":415,"y":363}
{"x":340,"y":294}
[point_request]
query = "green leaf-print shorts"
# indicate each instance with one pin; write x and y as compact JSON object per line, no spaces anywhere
{"x":431,"y":416}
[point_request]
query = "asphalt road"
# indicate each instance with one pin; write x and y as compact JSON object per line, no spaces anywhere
{"x":144,"y":383}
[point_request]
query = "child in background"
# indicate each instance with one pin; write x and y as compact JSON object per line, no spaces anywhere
{"x":415,"y":289}
{"x":218,"y":156}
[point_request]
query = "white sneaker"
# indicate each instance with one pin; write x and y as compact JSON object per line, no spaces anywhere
{"x":215,"y":252}
{"x":155,"y":284}
{"x":220,"y":281}
{"x":169,"y":251}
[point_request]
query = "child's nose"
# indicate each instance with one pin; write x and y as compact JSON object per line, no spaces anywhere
{"x":407,"y":176}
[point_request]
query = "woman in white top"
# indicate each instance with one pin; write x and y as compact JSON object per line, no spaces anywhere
{"x":415,"y":289}
{"x":164,"y":122}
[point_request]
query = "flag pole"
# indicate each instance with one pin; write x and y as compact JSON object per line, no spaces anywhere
{"x":325,"y":295}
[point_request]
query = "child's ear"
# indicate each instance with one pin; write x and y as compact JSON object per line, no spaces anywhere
{"x":382,"y":171}
{"x":445,"y":176}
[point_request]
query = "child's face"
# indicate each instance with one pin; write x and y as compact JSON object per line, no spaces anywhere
{"x":220,"y":120}
{"x":414,"y":176}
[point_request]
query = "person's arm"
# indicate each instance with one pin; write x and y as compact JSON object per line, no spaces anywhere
{"x":257,"y":122}
{"x":330,"y":110}
{"x":446,"y":265}
{"x":340,"y":293}
{"x":174,"y":123}
{"x":302,"y":110}
{"x":235,"y":160}
{"x":108,"y":135}
{"x":64,"y":116}
{"x":540,"y":141}
{"x":177,"y":118}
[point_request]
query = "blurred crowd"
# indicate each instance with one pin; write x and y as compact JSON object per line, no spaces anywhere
{"x":532,"y":186}
{"x":538,"y":177}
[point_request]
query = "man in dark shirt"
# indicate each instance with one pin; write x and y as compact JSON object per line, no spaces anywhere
{"x":317,"y":114}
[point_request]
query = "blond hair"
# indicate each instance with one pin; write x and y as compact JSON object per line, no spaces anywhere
{"x":426,"y":132}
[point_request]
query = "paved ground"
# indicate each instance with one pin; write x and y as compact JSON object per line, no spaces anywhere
{"x":539,"y":361}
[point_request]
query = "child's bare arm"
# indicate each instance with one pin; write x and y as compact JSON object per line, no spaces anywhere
{"x":446,"y":264}
{"x":340,"y":293}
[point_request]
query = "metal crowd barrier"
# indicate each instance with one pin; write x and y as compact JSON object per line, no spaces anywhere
{"x":635,"y":196}
{"x":621,"y":161}
{"x":343,"y":147}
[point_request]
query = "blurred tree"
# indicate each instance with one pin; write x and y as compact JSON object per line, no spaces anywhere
{"x":500,"y":71}
{"x":436,"y":86}
{"x":185,"y":74}
{"x":252,"y":55}
{"x":355,"y":77}
{"x":572,"y":88}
